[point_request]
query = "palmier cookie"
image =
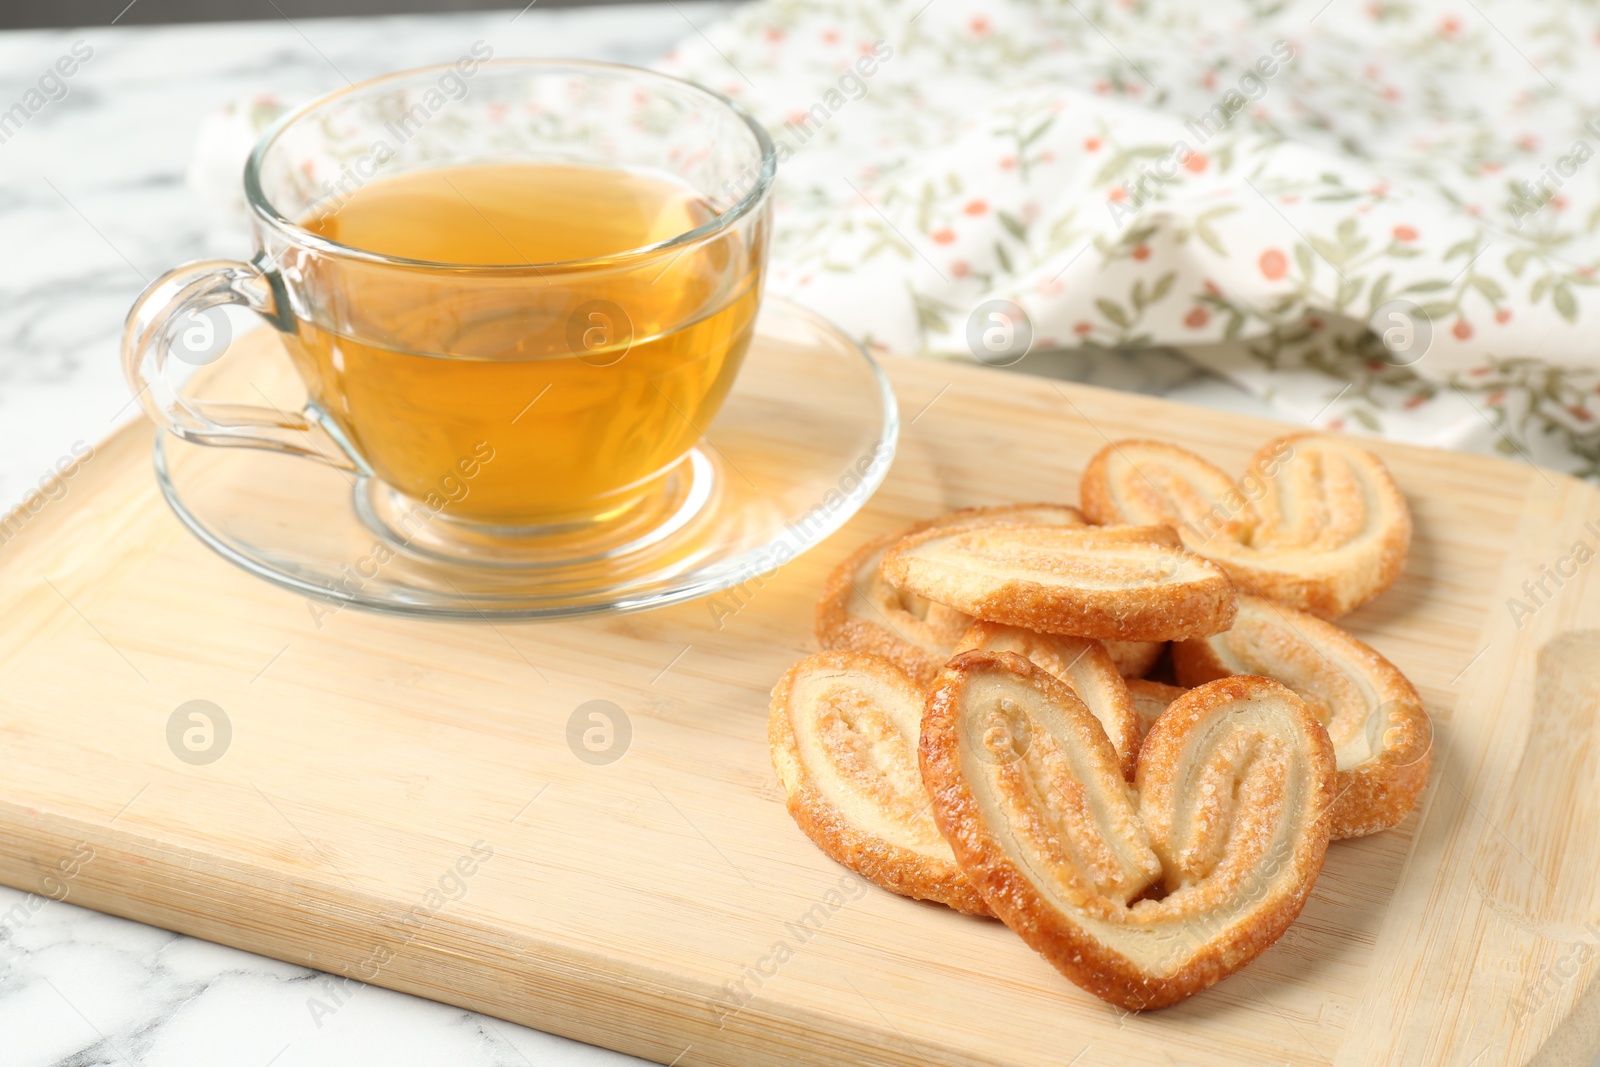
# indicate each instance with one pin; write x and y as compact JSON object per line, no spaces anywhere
{"x":1116,"y":583}
{"x":1316,"y":522}
{"x":1142,"y":895}
{"x":860,"y":610}
{"x":1084,"y":664}
{"x":843,"y":730}
{"x":1382,"y":737}
{"x":1151,"y":700}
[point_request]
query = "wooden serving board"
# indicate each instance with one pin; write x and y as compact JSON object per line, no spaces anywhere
{"x":400,"y":802}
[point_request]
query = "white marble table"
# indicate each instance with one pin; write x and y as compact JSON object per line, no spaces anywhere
{"x":92,"y":205}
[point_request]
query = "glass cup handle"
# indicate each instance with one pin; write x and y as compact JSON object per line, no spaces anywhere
{"x":171,"y":304}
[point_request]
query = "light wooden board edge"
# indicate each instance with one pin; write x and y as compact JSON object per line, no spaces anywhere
{"x":1476,"y":761}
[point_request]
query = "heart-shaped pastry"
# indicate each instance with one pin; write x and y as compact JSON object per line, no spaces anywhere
{"x":861,"y":610}
{"x":1113,"y":583}
{"x":1382,"y":737}
{"x":1144,"y":894}
{"x":1084,"y":664}
{"x":1316,"y":522}
{"x":843,"y":731}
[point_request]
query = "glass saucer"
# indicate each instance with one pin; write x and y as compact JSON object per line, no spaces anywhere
{"x":804,"y":438}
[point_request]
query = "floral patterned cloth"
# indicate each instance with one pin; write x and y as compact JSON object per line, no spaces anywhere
{"x":1379,"y":215}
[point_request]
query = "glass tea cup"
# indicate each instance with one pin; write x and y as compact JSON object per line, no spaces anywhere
{"x":486,"y":405}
